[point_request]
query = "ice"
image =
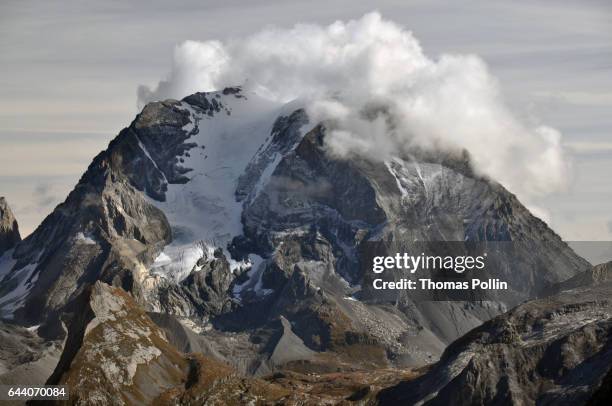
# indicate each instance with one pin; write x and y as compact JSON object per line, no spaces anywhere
{"x":266,"y":174}
{"x":413,"y":178}
{"x":162,"y":259}
{"x":178,"y":260}
{"x":399,"y":184}
{"x":205,"y":208}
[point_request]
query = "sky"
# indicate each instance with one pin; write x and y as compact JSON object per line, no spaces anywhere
{"x":70,"y":71}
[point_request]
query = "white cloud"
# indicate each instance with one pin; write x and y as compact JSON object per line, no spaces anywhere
{"x":381,"y":95}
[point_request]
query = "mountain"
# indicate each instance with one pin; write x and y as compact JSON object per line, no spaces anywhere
{"x":237,"y":234}
{"x":599,"y":274}
{"x":547,"y":351}
{"x":9,"y":230}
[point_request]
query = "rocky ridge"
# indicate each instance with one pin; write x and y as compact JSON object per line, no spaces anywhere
{"x":547,"y":351}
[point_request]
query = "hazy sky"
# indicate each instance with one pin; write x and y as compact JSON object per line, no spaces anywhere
{"x":70,"y":71}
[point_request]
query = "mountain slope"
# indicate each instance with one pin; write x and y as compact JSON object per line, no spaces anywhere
{"x":114,"y":351}
{"x":599,"y":274}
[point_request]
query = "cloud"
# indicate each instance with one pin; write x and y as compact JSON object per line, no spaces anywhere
{"x":380,"y":96}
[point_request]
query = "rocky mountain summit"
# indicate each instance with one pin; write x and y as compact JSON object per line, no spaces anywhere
{"x":9,"y":230}
{"x":220,"y":232}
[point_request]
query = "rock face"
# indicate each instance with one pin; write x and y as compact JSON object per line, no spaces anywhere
{"x":9,"y":230}
{"x":548,"y":351}
{"x":106,"y":229}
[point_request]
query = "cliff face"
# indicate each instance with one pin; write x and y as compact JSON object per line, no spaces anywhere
{"x":9,"y":230}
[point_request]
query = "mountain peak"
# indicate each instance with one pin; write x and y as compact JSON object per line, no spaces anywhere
{"x":230,"y":213}
{"x":9,"y":230}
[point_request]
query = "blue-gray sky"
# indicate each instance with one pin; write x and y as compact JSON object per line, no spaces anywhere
{"x":70,"y":71}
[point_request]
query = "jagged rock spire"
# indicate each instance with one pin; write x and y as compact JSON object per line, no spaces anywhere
{"x":9,"y":230}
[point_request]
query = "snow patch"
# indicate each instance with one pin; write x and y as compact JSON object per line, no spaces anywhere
{"x":81,"y":238}
{"x":254,"y":281}
{"x":146,"y":152}
{"x":177,"y":261}
{"x":17,"y":283}
{"x":162,"y":259}
{"x":414,"y":178}
{"x":266,"y":174}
